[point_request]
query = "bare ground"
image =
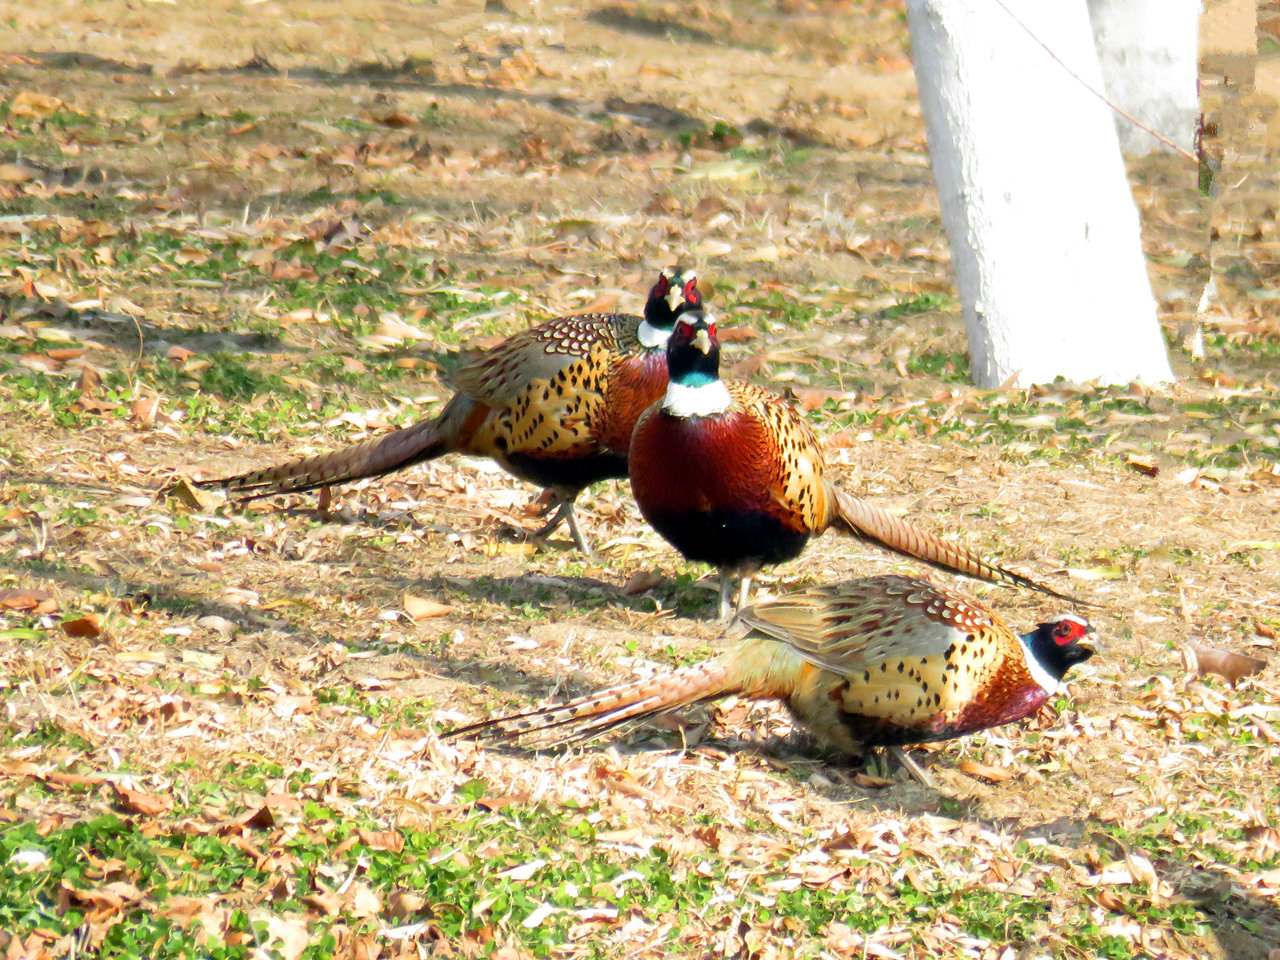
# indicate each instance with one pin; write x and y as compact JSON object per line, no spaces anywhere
{"x":571,"y":155}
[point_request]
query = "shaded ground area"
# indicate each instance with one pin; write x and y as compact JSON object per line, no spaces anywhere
{"x":238,"y":233}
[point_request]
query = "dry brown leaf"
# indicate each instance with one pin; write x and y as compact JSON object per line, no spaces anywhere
{"x":287,"y":705}
{"x":737,"y":334}
{"x":403,"y":904}
{"x":641,"y":581}
{"x":98,"y":903}
{"x":287,"y":936}
{"x":90,"y":405}
{"x":1108,"y":900}
{"x":843,"y":941}
{"x":38,"y":601}
{"x":397,"y":120}
{"x":17,"y":173}
{"x":90,"y":381}
{"x":40,"y":363}
{"x":500,"y":800}
{"x":325,"y":902}
{"x":189,"y":496}
{"x":984,"y":771}
{"x":747,"y":368}
{"x":19,"y":768}
{"x":420,"y":608}
{"x":811,"y":398}
{"x":86,"y":626}
{"x":190,"y":256}
{"x":1266,"y":841}
{"x":362,"y":901}
{"x":391,"y":840}
{"x":1143,"y":464}
{"x":138,"y":801}
{"x":204,"y":910}
{"x":37,"y":106}
{"x":62,"y":779}
{"x":871,"y":782}
{"x":1202,"y":660}
{"x":143,"y":410}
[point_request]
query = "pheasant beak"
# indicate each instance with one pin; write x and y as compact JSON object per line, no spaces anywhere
{"x":675,"y":297}
{"x":1090,"y":642}
{"x":702,"y":340}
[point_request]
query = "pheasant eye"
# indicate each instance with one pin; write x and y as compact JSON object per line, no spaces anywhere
{"x":1066,"y":631}
{"x":691,"y":291}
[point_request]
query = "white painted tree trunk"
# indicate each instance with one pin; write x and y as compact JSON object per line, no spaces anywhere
{"x":1042,"y":227}
{"x":1148,"y":52}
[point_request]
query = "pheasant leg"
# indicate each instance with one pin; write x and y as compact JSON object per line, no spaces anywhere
{"x":726,"y":590}
{"x":913,"y":768}
{"x":565,"y":514}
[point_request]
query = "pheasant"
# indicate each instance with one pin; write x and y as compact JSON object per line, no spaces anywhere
{"x":554,"y":405}
{"x":875,"y":662}
{"x":730,"y":474}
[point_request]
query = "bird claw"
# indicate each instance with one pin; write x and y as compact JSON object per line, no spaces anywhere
{"x":544,"y":503}
{"x":564,"y":514}
{"x":878,"y":765}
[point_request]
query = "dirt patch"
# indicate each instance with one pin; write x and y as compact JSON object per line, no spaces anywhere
{"x":234,"y":197}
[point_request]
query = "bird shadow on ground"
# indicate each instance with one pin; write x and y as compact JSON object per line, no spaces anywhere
{"x":134,"y":334}
{"x":1246,"y":926}
{"x":563,"y":595}
{"x":152,"y":594}
{"x":414,"y":74}
{"x":442,"y":661}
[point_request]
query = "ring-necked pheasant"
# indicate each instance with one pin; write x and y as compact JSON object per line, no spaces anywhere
{"x":554,"y":405}
{"x":731,"y":474}
{"x":876,"y":662}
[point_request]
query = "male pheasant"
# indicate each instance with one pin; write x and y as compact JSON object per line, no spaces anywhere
{"x":554,"y":405}
{"x":880,"y":661}
{"x":731,"y":474}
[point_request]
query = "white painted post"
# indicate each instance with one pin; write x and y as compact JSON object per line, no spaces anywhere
{"x":1042,"y":227}
{"x":1148,"y":53}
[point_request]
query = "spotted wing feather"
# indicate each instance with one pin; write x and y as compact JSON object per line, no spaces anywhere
{"x":856,"y":625}
{"x":908,"y":661}
{"x":540,"y":353}
{"x":793,"y":481}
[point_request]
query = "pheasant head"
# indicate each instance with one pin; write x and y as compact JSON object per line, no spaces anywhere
{"x":1057,"y":645}
{"x":676,"y":289}
{"x":694,"y":388}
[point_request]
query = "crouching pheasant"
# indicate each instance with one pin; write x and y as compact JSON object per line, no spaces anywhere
{"x":554,"y":405}
{"x":731,"y":474}
{"x":876,"y":662}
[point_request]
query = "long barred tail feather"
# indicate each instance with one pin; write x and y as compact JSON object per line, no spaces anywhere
{"x":588,"y":716}
{"x":370,"y":458}
{"x":875,"y":524}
